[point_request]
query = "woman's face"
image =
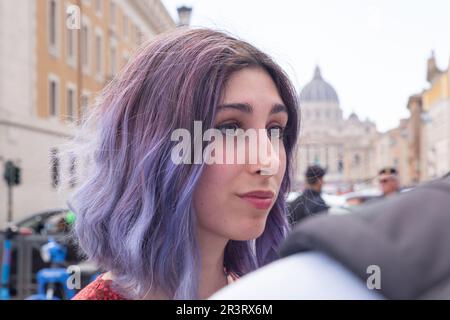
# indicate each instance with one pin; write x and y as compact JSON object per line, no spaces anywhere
{"x":233,"y":200}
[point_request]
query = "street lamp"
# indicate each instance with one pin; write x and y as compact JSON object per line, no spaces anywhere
{"x":184,"y":15}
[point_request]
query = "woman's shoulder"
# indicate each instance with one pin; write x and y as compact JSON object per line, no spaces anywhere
{"x":99,"y":289}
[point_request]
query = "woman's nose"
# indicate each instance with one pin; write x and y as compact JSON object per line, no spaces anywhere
{"x":268,"y":158}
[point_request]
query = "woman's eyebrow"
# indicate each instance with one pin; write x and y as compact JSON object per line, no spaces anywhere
{"x":243,"y":107}
{"x":247,"y":108}
{"x":278,"y":108}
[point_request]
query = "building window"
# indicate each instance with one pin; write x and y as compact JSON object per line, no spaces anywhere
{"x":356,"y":160}
{"x":85,"y":45}
{"x":112,"y":13}
{"x":53,"y":26}
{"x":340,"y":165}
{"x":99,"y":54}
{"x":54,"y":164}
{"x":113,"y":60}
{"x":71,"y":104}
{"x":98,"y":7}
{"x":53,"y":97}
{"x":71,"y":46}
{"x":84,"y":104}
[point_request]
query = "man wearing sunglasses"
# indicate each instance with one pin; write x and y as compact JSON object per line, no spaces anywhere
{"x":389,"y":182}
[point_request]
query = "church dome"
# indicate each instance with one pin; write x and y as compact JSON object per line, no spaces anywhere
{"x":318,"y":90}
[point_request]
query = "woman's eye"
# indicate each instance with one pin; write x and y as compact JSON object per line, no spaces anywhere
{"x":229,"y":128}
{"x":276,"y":132}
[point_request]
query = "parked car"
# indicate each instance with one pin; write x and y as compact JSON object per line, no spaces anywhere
{"x":40,"y":223}
{"x":335,"y":202}
{"x":343,"y":204}
{"x":362,"y":196}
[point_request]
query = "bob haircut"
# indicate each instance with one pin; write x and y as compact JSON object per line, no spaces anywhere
{"x":134,"y":208}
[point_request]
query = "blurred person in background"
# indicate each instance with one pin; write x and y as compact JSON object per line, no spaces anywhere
{"x":389,"y":181}
{"x":310,"y":202}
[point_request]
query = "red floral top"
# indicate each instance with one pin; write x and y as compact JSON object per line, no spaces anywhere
{"x":101,"y":289}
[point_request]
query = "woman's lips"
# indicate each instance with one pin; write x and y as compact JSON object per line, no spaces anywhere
{"x":259,"y":199}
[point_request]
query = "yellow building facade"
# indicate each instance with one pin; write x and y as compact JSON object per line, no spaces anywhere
{"x":439,"y":90}
{"x":75,"y":64}
{"x":435,"y":149}
{"x":55,"y":57}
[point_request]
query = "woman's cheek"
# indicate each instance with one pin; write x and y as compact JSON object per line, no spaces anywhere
{"x":282,"y":169}
{"x":211,"y":192}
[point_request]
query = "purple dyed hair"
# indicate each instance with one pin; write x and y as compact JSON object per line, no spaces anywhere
{"x":134,"y":211}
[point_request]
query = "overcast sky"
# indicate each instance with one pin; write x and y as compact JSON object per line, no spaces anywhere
{"x":372,"y":52}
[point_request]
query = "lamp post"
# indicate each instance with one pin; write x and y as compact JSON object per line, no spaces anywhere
{"x":184,"y":15}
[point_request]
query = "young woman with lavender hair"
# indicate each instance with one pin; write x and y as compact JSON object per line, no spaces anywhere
{"x":162,"y":230}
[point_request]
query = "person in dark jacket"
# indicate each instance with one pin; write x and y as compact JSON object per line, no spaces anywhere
{"x":310,"y":202}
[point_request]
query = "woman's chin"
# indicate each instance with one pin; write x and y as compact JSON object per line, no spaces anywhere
{"x":250,"y":232}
